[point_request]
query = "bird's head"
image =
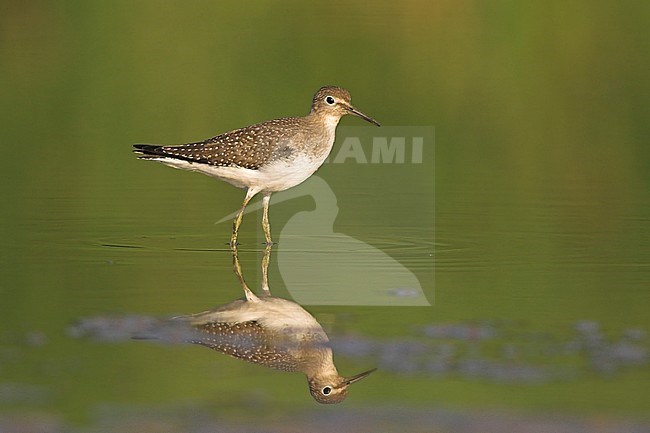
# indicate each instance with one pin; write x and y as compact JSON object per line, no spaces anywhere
{"x":334,"y":102}
{"x":331,"y":390}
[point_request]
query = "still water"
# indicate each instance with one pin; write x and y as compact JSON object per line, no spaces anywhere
{"x":536,"y":309}
{"x":487,"y":249}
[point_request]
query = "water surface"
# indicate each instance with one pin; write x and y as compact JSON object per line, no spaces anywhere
{"x":508,"y":270}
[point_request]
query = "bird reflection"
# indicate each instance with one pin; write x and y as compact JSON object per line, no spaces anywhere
{"x":272,"y":332}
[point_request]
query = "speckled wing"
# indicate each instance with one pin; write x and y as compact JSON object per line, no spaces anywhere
{"x":250,"y":147}
{"x":248,"y":341}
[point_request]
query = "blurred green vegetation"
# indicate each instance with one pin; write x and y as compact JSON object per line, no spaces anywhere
{"x":542,"y":174}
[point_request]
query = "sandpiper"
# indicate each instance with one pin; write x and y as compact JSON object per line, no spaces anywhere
{"x":267,"y":157}
{"x":275,"y":333}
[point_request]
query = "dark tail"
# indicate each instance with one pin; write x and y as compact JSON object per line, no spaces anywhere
{"x":148,"y":150}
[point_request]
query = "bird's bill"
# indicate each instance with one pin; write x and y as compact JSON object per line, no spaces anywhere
{"x":358,"y":113}
{"x":358,"y":377}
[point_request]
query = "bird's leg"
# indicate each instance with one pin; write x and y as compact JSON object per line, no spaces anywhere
{"x":265,"y":218}
{"x":250,"y":296}
{"x":240,"y":216}
{"x":265,"y":270}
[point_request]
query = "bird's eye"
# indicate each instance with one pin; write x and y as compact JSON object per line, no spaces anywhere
{"x":327,"y":390}
{"x":329,"y":100}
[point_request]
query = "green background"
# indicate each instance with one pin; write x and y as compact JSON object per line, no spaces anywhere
{"x":542,"y":211}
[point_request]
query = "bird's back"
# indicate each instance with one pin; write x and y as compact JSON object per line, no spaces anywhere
{"x":251,"y":147}
{"x":271,"y":331}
